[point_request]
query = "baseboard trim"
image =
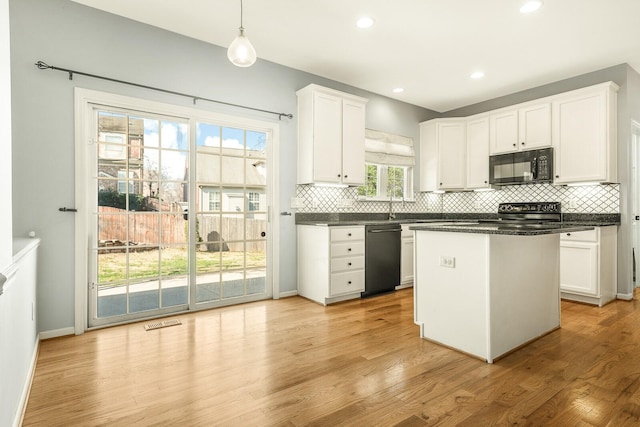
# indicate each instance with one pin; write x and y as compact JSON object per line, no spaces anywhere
{"x":57,"y":333}
{"x":288,"y":294}
{"x":626,"y":297}
{"x":24,"y":398}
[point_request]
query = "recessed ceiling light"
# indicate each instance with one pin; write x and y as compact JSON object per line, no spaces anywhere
{"x":398,"y":90}
{"x":365,"y":22}
{"x":531,"y":6}
{"x":477,"y":75}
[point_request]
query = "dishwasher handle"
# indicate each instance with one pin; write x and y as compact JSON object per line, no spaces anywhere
{"x":394,"y":230}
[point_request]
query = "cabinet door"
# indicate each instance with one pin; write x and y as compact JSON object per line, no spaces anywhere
{"x":504,"y":132}
{"x":428,"y":156}
{"x":478,"y":153}
{"x":580,"y":138}
{"x":327,"y":138}
{"x":534,"y":124}
{"x":451,"y":155}
{"x":353,"y":170}
{"x":579,"y":268}
{"x":406,"y":261}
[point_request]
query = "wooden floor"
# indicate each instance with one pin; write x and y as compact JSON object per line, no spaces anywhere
{"x":361,"y":363}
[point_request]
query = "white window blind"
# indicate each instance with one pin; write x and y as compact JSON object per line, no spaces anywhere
{"x":387,"y":149}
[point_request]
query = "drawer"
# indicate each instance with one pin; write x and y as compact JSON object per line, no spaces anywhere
{"x":347,"y":264}
{"x":347,"y":233}
{"x":347,"y":282}
{"x":581,"y":236}
{"x":347,"y":248}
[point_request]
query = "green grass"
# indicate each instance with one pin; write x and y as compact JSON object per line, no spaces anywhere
{"x":171,"y":262}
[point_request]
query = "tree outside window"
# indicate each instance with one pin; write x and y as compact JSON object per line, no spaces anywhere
{"x":384,"y":181}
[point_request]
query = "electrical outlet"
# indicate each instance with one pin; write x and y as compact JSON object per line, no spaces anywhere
{"x":297,"y":203}
{"x":448,"y":261}
{"x":314,"y":203}
{"x":573,"y":204}
{"x":477,"y":205}
{"x":345,"y":203}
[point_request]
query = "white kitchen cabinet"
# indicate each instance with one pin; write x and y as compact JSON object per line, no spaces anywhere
{"x":584,"y":135}
{"x":330,"y":263}
{"x":588,"y":265}
{"x":406,"y":256}
{"x":443,"y":155}
{"x":524,"y":128}
{"x":478,"y":153}
{"x":331,"y":129}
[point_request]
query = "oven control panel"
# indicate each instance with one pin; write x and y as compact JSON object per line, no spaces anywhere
{"x":529,"y":208}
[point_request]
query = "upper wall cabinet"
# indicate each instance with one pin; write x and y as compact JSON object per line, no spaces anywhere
{"x":584,"y":135}
{"x":331,"y":127}
{"x":443,"y":155}
{"x":522,"y":128}
{"x":478,"y":153}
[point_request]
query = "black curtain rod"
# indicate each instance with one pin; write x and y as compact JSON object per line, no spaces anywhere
{"x":44,"y":66}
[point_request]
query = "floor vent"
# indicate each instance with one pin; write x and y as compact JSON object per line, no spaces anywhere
{"x":163,"y":324}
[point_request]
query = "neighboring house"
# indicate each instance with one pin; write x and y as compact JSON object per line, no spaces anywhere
{"x":240,"y":188}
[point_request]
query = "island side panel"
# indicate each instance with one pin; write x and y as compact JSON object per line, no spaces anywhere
{"x":452,"y":300}
{"x":525,"y":289}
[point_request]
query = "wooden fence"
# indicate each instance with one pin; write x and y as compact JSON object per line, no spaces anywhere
{"x":216,"y":232}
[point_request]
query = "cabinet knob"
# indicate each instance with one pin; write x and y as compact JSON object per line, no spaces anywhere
{"x":440,"y":183}
{"x":349,"y":281}
{"x":568,"y":234}
{"x":514,"y":145}
{"x":557,"y":176}
{"x":349,"y":234}
{"x":349,"y":264}
{"x":349,"y":249}
{"x":346,"y":176}
{"x":523,"y":143}
{"x":485,"y":182}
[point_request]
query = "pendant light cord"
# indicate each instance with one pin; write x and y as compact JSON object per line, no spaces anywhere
{"x":44,"y":66}
{"x":241,"y":26}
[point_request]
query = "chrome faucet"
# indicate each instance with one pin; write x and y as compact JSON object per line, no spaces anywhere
{"x":392,"y":215}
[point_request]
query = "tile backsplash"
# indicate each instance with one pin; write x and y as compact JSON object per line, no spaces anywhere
{"x":593,"y":199}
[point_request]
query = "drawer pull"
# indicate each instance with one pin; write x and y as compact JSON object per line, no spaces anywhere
{"x":568,"y":234}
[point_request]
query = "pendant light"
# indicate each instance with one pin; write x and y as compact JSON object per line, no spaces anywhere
{"x":241,"y":52}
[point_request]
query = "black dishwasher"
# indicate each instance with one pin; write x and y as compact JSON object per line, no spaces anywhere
{"x":381,"y":258}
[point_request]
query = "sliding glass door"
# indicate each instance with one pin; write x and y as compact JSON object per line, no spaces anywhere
{"x":178,"y":216}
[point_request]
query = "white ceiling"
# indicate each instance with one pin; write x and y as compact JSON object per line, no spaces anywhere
{"x":428,"y":47}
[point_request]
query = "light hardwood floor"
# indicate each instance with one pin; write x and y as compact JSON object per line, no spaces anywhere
{"x":292,"y":362}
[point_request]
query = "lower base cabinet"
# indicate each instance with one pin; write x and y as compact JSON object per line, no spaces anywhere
{"x":406,"y":257}
{"x":588,"y":265}
{"x":330,"y":262}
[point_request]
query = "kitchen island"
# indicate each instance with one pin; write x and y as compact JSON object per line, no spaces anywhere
{"x":486,"y":289}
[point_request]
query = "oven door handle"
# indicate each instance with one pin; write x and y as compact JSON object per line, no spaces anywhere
{"x":534,"y":168}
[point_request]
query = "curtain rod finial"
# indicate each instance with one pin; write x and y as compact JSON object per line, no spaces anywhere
{"x":42,"y":65}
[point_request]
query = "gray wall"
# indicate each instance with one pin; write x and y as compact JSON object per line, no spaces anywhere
{"x":68,"y":35}
{"x":628,"y":109}
{"x":5,"y":139}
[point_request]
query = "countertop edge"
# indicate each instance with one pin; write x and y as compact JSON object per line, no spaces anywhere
{"x":492,"y":229}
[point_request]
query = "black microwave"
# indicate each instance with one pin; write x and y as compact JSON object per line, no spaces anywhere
{"x":523,"y":167}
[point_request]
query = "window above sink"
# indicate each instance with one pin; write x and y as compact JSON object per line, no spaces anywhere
{"x":389,"y":161}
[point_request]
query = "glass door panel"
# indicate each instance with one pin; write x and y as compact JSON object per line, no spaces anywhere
{"x":140,"y":250}
{"x":231,"y":199}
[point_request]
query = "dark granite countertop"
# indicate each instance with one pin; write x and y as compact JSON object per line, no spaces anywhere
{"x":351,"y":219}
{"x":496,"y":228}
